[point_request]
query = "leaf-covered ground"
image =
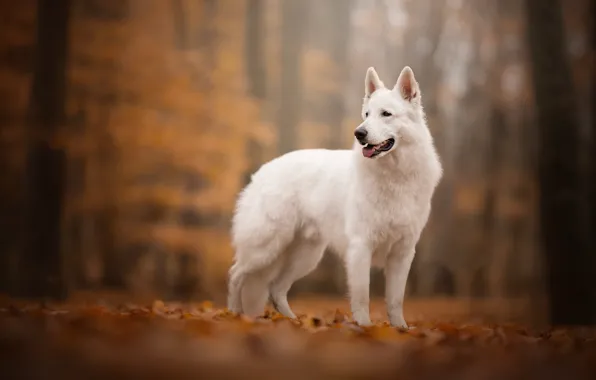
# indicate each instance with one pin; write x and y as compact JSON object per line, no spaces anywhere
{"x":199,"y":341}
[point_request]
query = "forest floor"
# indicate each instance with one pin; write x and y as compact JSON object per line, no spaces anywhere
{"x":84,"y":339}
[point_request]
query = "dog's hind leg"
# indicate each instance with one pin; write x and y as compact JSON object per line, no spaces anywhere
{"x":250,"y":277}
{"x":302,"y":259}
{"x":248,"y":287}
{"x":257,"y":263}
{"x":236,"y":279}
{"x":255,"y":288}
{"x":254,"y":295}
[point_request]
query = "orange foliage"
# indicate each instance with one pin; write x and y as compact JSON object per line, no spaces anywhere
{"x":176,"y":340}
{"x":168,"y":110}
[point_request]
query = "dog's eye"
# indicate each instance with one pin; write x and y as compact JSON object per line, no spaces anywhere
{"x":386,"y":113}
{"x":366,"y":114}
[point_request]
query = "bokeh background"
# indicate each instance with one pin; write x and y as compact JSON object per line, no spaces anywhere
{"x":128,"y":127}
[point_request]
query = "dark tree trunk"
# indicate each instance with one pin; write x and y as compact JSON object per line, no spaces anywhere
{"x":292,"y":41}
{"x":41,"y":264}
{"x":10,"y":204}
{"x":255,"y":70}
{"x":592,"y":120}
{"x":113,"y":262}
{"x":571,"y":266}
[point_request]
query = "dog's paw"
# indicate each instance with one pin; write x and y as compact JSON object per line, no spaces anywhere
{"x":399,"y":323}
{"x":362,"y":319}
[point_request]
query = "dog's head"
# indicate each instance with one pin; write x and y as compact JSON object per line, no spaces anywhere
{"x":391,"y":117}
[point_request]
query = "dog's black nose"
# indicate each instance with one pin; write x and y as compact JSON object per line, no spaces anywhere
{"x":360,"y":133}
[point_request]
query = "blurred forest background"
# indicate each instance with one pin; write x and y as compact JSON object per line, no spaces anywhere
{"x":128,"y":127}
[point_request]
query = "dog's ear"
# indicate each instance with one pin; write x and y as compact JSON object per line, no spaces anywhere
{"x":372,"y":82}
{"x":407,"y":86}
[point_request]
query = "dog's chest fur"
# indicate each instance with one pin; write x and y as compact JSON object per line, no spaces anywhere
{"x":384,"y":204}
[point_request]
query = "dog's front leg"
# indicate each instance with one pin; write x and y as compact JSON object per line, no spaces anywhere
{"x":358,"y":271}
{"x":397,"y":269}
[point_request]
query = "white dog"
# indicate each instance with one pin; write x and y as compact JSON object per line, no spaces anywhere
{"x":369,"y":205}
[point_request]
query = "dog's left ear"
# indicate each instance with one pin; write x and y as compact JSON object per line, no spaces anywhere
{"x":407,"y":86}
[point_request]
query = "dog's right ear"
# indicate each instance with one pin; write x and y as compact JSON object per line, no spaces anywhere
{"x":372,"y":82}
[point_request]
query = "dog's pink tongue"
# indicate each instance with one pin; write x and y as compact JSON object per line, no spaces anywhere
{"x":368,"y":151}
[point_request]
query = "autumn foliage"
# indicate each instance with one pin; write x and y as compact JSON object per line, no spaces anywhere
{"x":171,"y":105}
{"x":184,"y":341}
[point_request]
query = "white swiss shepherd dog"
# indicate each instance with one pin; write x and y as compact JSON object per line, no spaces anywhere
{"x":369,"y":205}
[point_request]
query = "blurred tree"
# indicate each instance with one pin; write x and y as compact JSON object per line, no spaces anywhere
{"x":254,"y":49}
{"x":509,"y":205}
{"x":292,"y":43}
{"x":326,"y":71}
{"x":40,"y":267}
{"x":17,"y":45}
{"x":571,"y":264}
{"x":97,"y":39}
{"x":256,"y":74}
{"x":591,"y":118}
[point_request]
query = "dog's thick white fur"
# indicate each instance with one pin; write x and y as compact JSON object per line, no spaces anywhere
{"x":369,"y":205}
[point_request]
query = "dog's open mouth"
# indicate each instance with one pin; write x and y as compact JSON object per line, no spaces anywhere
{"x":369,"y":150}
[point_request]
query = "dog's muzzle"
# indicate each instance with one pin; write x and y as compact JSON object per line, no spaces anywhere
{"x":370,"y":150}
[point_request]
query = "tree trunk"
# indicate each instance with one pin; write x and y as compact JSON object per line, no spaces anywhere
{"x":15,"y":62}
{"x":333,"y":39}
{"x":571,"y":267}
{"x":255,"y":69}
{"x":180,"y":23}
{"x":592,"y":174}
{"x":41,"y":264}
{"x":255,"y":49}
{"x":113,"y":263}
{"x":292,"y":36}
